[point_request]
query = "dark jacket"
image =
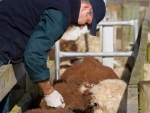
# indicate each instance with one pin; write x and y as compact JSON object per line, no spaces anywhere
{"x":18,"y":18}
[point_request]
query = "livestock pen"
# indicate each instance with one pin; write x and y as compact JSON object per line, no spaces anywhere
{"x":14,"y":78}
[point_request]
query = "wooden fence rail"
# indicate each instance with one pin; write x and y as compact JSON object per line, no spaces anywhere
{"x":138,"y":94}
{"x":142,"y":2}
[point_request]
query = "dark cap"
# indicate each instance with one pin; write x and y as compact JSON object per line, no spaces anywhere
{"x":99,"y":10}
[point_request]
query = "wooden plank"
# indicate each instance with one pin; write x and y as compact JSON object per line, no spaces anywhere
{"x":132,"y":101}
{"x":147,"y":16}
{"x":29,"y":83}
{"x":144,"y":92}
{"x":146,"y":70}
{"x":128,"y":31}
{"x":9,"y":76}
{"x":137,"y":73}
{"x":144,"y":97}
{"x":51,"y":66}
{"x":20,"y":87}
{"x":24,"y":103}
{"x":148,"y":52}
{"x":114,"y":1}
{"x":119,"y":2}
{"x":115,"y":8}
{"x":149,"y":26}
{"x":148,"y":35}
{"x":138,"y":0}
{"x":142,"y":12}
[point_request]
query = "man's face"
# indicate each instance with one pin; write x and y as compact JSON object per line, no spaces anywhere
{"x":85,"y":18}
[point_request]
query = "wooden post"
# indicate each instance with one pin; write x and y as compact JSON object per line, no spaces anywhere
{"x":137,"y":73}
{"x":24,"y":103}
{"x":148,"y":36}
{"x":17,"y":92}
{"x":144,"y":85}
{"x":149,"y":26}
{"x":12,"y":80}
{"x":116,"y":2}
{"x":146,"y":71}
{"x":9,"y":76}
{"x":144,"y":97}
{"x":148,"y":52}
{"x":129,"y":11}
{"x":144,"y":92}
{"x":132,"y":103}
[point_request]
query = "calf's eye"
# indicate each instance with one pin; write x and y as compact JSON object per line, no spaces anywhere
{"x":96,"y":105}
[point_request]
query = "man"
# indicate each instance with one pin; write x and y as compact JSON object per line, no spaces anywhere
{"x":30,"y":28}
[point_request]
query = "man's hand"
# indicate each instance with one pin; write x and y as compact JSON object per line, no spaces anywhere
{"x":55,"y":100}
{"x":52,"y":97}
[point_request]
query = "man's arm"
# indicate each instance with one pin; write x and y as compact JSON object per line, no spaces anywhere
{"x":52,"y":25}
{"x":46,"y":86}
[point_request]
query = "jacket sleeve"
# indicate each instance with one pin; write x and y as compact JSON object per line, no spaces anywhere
{"x":52,"y":25}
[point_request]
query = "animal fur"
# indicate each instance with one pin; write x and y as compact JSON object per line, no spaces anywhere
{"x":109,"y":96}
{"x":89,"y":70}
{"x":49,"y":111}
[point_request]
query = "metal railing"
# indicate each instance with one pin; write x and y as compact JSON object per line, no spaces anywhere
{"x":105,"y":51}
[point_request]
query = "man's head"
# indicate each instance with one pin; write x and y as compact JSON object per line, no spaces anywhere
{"x":91,"y":13}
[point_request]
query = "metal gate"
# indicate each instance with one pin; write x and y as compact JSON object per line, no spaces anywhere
{"x":107,"y":53}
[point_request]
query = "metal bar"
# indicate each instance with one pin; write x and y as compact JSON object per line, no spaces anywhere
{"x":57,"y":60}
{"x":135,"y":38}
{"x":107,"y":35}
{"x":59,"y":54}
{"x":105,"y":1}
{"x":116,"y":23}
{"x":135,"y":29}
{"x":108,"y":54}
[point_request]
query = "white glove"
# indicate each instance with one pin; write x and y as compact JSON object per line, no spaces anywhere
{"x":54,"y":100}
